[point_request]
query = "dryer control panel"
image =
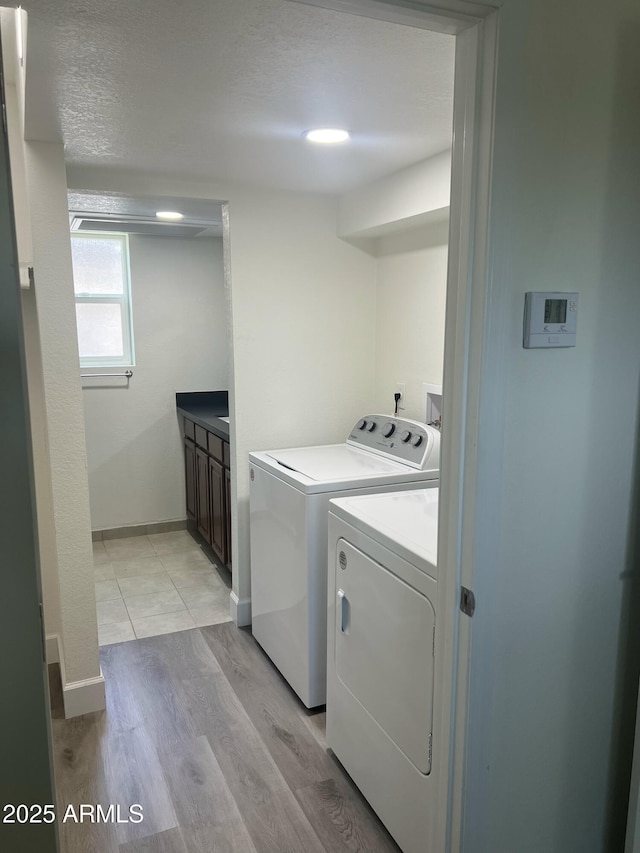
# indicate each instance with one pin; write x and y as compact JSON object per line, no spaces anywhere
{"x":410,"y":442}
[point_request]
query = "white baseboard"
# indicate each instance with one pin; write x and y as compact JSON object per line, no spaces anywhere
{"x":79,"y":697}
{"x":83,"y":697}
{"x":52,"y":648}
{"x":240,"y":610}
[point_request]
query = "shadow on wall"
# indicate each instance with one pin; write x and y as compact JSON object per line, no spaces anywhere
{"x":622,"y":242}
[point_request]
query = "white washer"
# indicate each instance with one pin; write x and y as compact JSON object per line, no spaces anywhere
{"x":289,"y":498}
{"x":381,"y":655}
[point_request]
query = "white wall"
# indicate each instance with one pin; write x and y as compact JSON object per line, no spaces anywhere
{"x":64,"y":543}
{"x":410,"y":306}
{"x":556,"y":560}
{"x":303,"y":307}
{"x":402,"y":221}
{"x":13,"y":73}
{"x":134,"y":447}
{"x":42,"y":468}
{"x":410,"y":193}
{"x":64,"y":416}
{"x":302,"y":320}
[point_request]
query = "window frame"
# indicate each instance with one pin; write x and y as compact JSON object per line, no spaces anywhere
{"x":123,"y":299}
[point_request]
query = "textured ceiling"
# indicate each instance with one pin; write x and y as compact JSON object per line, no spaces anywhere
{"x":194,"y":210}
{"x":224,"y":88}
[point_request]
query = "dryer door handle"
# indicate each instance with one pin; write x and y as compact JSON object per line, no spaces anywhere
{"x":345,"y":611}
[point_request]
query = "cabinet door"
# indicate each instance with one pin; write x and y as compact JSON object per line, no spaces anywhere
{"x":227,"y":514}
{"x":189,"y":429}
{"x":202,"y":494}
{"x":190,"y":477}
{"x":216,"y":490}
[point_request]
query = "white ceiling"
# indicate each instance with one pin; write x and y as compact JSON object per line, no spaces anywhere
{"x":224,"y":88}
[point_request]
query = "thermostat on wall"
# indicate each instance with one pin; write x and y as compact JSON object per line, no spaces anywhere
{"x":550,"y":320}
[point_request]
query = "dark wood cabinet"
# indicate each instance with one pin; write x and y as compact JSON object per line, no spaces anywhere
{"x":190,"y":478}
{"x":208,"y":492}
{"x":202,"y":495}
{"x":227,"y":492}
{"x":218,"y":505}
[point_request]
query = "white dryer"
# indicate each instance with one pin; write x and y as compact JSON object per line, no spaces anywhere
{"x":289,"y":499}
{"x":381,"y":655}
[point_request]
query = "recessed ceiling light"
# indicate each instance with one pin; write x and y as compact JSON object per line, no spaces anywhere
{"x":327,"y":135}
{"x":171,"y":215}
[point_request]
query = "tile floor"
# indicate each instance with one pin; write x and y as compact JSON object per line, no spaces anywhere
{"x":156,"y":584}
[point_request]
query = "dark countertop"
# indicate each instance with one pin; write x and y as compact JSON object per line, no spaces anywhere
{"x":205,"y":409}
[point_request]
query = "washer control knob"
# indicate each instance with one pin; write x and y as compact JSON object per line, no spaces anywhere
{"x":416,"y":441}
{"x":361,"y":424}
{"x":388,"y":429}
{"x":405,"y":435}
{"x":371,"y":426}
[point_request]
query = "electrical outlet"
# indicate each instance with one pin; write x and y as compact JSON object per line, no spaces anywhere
{"x":400,"y":389}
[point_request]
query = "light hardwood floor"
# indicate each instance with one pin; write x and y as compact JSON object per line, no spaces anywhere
{"x":204,"y":733}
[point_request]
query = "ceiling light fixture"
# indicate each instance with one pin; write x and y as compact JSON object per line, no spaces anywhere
{"x":170,"y":215}
{"x":327,"y":135}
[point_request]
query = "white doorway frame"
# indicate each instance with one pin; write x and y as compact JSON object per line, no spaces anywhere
{"x":475,"y":26}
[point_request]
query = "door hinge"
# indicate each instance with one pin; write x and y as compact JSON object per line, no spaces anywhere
{"x":467,"y":601}
{"x":434,"y":640}
{"x":42,"y":634}
{"x":32,"y":277}
{"x":430,"y":748}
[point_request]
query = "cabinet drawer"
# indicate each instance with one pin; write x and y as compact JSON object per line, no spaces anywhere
{"x":215,"y":446}
{"x":189,"y":429}
{"x":226,"y":454}
{"x":201,"y":437}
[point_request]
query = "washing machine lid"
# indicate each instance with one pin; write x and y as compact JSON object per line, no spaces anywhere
{"x":337,"y":467}
{"x":404,"y":522}
{"x":335,"y":462}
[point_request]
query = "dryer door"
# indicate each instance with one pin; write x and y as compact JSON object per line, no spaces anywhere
{"x":384,"y":650}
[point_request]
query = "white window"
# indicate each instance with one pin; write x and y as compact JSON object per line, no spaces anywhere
{"x":103,"y":299}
